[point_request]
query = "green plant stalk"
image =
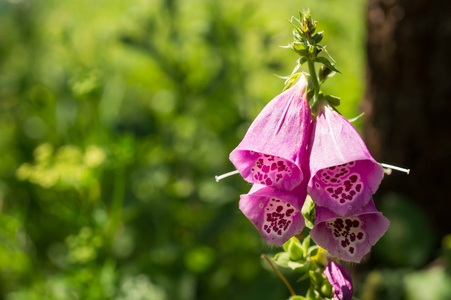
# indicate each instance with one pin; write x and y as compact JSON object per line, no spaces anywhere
{"x":288,"y":285}
{"x":312,"y":71}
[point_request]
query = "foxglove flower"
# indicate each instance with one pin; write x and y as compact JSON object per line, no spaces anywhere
{"x":344,"y":174}
{"x":272,"y":150}
{"x":275,"y":213}
{"x":349,"y":238}
{"x":340,"y":279}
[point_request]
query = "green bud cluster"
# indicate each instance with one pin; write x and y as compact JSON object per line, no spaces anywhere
{"x":306,"y":44}
{"x":309,"y":260}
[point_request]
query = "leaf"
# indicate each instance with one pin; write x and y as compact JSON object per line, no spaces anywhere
{"x":326,"y":62}
{"x":282,"y":259}
{"x":356,"y":118}
{"x":303,"y":60}
{"x":308,"y":211}
{"x":333,"y":100}
{"x":299,"y":267}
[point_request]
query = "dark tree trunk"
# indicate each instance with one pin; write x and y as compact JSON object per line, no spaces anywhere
{"x":408,"y":99}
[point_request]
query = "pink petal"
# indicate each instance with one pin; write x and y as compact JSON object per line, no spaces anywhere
{"x":276,"y":214}
{"x":349,"y":238}
{"x":273,"y":148}
{"x":344,"y":174}
{"x":340,"y":279}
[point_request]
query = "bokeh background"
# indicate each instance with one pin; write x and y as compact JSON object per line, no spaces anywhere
{"x":116,"y":115}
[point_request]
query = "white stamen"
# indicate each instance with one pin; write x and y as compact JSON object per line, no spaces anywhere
{"x":226,"y":175}
{"x":395,"y":168}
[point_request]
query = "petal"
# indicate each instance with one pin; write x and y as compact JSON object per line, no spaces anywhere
{"x":276,"y":214}
{"x":340,"y":279}
{"x":344,"y":174}
{"x":273,"y":148}
{"x":349,"y":238}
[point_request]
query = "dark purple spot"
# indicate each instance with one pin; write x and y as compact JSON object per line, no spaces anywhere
{"x":279,"y":208}
{"x":353,"y":178}
{"x":355,"y":223}
{"x":289,"y":212}
{"x":268,"y":218}
{"x":351,"y":250}
{"x":273,"y":166}
{"x":358,"y":187}
{"x":360,"y":235}
{"x":348,"y":185}
{"x":345,"y":243}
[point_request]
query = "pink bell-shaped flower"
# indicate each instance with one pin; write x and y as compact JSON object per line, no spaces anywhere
{"x":275,"y":213}
{"x":272,"y":150}
{"x":340,"y":279}
{"x":349,"y":238}
{"x":344,"y":174}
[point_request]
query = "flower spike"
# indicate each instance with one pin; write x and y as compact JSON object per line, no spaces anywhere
{"x":273,"y":148}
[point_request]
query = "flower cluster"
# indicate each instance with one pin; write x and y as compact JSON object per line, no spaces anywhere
{"x":287,"y":155}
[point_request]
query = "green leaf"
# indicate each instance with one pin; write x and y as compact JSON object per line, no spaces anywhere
{"x":326,"y":62}
{"x":297,"y":298}
{"x":303,"y":60}
{"x":304,"y":276}
{"x":308,"y":211}
{"x":299,"y":267}
{"x":295,"y":249}
{"x":356,"y":118}
{"x":282,"y":259}
{"x":333,"y":100}
{"x":312,"y":294}
{"x":318,"y":37}
{"x":306,"y":244}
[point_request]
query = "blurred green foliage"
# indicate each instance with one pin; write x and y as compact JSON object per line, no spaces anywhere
{"x":114,"y":118}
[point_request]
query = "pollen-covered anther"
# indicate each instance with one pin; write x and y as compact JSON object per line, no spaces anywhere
{"x":348,"y":231}
{"x":278,"y":216}
{"x":269,"y":169}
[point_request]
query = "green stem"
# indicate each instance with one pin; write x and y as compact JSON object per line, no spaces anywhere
{"x":312,"y":71}
{"x":280,"y":275}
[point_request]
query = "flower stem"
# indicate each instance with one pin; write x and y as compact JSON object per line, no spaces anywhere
{"x":279,"y":274}
{"x":312,"y":71}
